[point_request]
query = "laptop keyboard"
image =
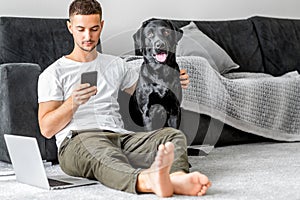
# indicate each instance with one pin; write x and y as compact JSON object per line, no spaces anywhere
{"x":54,"y":183}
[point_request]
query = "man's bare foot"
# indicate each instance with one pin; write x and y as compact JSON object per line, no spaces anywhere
{"x":156,"y":179}
{"x":194,"y":184}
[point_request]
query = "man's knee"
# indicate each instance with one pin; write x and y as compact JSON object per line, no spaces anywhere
{"x":174,"y":133}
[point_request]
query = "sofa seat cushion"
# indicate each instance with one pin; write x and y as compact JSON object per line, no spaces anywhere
{"x":280,"y":44}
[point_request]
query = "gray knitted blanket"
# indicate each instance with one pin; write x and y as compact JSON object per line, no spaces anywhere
{"x":253,"y":102}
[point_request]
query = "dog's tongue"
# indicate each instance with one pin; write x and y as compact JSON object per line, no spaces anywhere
{"x":161,"y":57}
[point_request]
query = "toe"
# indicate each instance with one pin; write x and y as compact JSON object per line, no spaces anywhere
{"x":203,"y":179}
{"x":169,"y":146}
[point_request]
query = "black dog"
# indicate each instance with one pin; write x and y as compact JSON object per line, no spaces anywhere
{"x":156,"y":100}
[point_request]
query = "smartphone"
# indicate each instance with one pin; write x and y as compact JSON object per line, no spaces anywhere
{"x":89,"y":77}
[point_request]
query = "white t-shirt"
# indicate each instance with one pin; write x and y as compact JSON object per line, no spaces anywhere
{"x":56,"y":83}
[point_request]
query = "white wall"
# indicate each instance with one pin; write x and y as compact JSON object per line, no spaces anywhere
{"x":123,"y":17}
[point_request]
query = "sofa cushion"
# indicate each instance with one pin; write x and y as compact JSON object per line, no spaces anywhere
{"x":196,"y":43}
{"x":18,"y":107}
{"x":280,"y":44}
{"x":238,"y":38}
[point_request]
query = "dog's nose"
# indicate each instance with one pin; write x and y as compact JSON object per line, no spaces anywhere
{"x":159,"y":45}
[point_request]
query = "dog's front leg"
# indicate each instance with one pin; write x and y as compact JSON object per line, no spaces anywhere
{"x":147,"y":120}
{"x":173,"y":121}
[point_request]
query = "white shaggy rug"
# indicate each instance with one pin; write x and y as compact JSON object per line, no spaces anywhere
{"x":249,"y":171}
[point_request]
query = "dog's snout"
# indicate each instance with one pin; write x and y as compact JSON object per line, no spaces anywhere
{"x":159,"y":45}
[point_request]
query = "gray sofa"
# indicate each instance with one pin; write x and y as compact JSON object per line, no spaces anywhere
{"x":29,"y":45}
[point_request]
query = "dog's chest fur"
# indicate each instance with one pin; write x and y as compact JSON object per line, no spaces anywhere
{"x":159,"y":78}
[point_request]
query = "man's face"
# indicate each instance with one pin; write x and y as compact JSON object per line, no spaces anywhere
{"x":86,"y":31}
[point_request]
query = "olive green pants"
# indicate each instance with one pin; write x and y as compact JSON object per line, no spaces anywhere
{"x":116,"y":159}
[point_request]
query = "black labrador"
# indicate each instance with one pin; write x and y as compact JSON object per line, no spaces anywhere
{"x":156,"y":100}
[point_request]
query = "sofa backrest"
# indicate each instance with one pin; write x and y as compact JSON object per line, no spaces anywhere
{"x":280,"y":43}
{"x":33,"y":40}
{"x":257,"y":44}
{"x":237,"y":37}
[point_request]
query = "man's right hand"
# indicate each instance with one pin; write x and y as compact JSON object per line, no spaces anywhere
{"x":82,"y":93}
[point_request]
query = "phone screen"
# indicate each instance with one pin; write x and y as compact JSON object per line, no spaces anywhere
{"x":89,"y":77}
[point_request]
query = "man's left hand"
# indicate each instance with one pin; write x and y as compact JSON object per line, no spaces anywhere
{"x":184,"y":79}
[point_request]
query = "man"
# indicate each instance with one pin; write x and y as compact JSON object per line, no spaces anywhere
{"x":88,"y":128}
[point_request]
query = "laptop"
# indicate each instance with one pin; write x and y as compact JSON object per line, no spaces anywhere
{"x":29,"y":168}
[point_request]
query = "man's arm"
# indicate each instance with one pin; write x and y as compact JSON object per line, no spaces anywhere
{"x":55,"y":115}
{"x":131,"y":89}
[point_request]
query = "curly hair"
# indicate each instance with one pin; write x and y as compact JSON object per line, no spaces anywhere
{"x":85,"y":7}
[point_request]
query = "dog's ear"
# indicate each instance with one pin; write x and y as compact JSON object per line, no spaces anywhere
{"x":138,"y":37}
{"x":178,"y":33}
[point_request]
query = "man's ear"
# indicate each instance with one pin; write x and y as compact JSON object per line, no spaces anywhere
{"x":101,"y":25}
{"x":69,"y":26}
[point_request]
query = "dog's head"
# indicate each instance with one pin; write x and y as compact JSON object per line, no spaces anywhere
{"x":157,"y":40}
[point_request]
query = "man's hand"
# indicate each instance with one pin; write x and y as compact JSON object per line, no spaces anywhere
{"x":184,"y":79}
{"x":82,"y":93}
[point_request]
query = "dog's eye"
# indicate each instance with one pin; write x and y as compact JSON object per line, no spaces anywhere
{"x":166,"y":32}
{"x":150,"y":34}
